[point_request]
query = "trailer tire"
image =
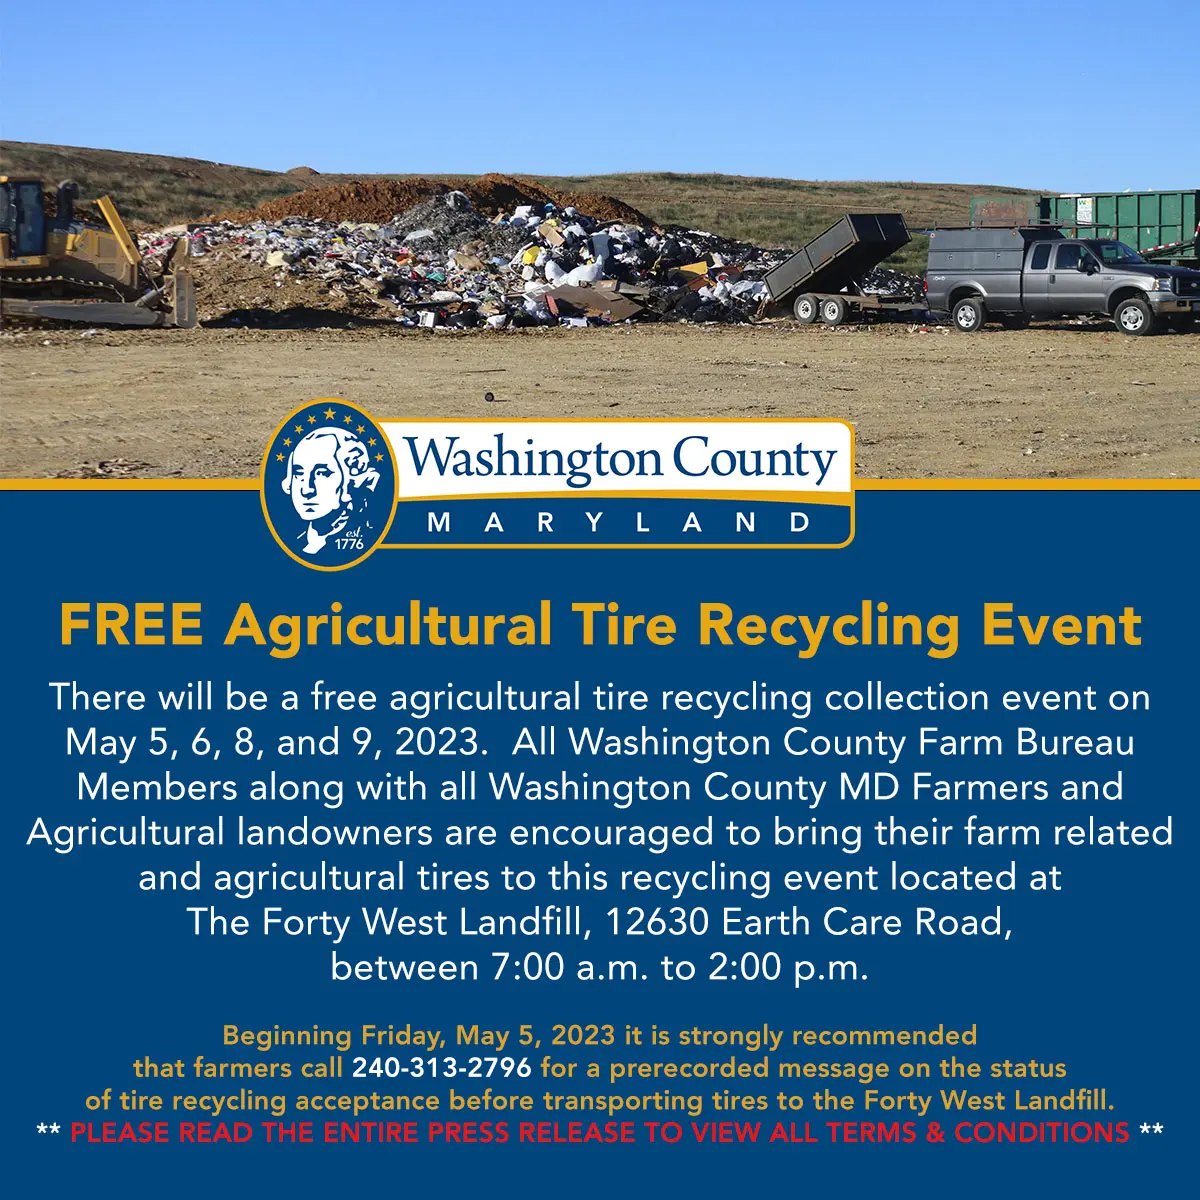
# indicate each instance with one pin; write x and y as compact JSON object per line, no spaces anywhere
{"x":806,"y":309}
{"x":969,"y":314}
{"x":1134,"y":317}
{"x":833,"y":310}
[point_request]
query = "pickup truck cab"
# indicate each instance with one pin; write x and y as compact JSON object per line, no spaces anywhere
{"x":1013,"y":275}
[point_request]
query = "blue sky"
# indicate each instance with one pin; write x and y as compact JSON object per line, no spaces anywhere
{"x":980,"y":93}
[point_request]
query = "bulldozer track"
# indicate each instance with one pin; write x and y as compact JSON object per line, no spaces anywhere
{"x":91,"y":285}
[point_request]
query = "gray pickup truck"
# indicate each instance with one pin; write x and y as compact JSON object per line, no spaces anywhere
{"x":1012,"y":275}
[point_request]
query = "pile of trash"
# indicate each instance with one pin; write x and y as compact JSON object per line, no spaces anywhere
{"x":378,"y":200}
{"x":887,"y":281}
{"x":446,"y":262}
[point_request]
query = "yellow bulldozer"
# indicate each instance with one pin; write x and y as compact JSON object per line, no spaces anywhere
{"x":60,"y":267}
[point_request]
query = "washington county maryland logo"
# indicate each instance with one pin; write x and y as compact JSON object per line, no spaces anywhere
{"x":329,"y":484}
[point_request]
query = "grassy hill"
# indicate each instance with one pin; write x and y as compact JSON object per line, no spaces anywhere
{"x":151,"y":189}
{"x":154,"y":189}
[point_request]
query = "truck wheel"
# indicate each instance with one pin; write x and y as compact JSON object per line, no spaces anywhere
{"x":806,"y":309}
{"x":1134,"y":317}
{"x":969,"y":315}
{"x":833,"y":311}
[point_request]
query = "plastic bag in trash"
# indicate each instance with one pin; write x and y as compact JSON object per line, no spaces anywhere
{"x":585,"y":273}
{"x":750,"y":289}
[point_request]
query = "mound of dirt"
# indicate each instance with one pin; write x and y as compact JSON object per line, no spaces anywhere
{"x":494,"y":193}
{"x":232,"y":291}
{"x":379,"y":200}
{"x":376,"y":201}
{"x":305,"y":172}
{"x":600,"y":207}
{"x":502,"y":193}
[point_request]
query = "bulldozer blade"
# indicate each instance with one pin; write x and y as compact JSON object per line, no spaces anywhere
{"x":87,"y":312}
{"x":182,"y":294}
{"x":177,"y":259}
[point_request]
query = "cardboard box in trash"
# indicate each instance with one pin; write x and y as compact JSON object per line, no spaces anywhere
{"x":607,"y":298}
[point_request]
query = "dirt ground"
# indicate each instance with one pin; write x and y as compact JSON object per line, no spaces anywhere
{"x":1066,"y":401}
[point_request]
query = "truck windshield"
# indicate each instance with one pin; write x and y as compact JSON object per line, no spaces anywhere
{"x":1115,"y":252}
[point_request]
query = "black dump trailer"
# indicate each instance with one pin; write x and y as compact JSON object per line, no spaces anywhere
{"x":822,"y":281}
